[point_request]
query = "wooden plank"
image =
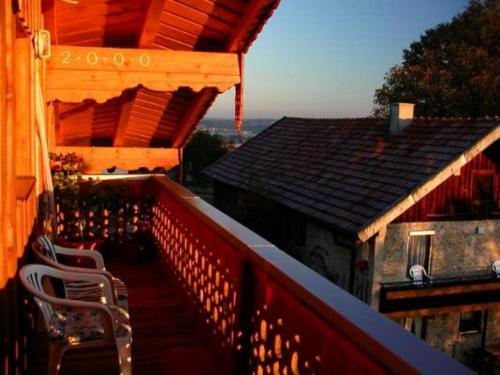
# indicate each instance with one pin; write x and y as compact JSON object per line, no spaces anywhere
{"x":121,"y":130}
{"x":441,"y":291}
{"x":251,"y":17}
{"x":128,"y":60}
{"x":50,"y":18}
{"x":239,"y":95}
{"x":97,"y":159}
{"x":22,"y":48}
{"x":78,"y":73}
{"x":444,"y":310}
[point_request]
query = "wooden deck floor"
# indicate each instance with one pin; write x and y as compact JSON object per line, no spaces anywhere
{"x":166,"y":338}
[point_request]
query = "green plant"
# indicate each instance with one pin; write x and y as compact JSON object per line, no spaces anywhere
{"x":66,"y":172}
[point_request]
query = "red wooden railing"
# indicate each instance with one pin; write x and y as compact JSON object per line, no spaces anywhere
{"x":267,"y":312}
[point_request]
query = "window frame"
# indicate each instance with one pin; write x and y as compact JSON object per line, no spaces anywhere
{"x":426,"y":233}
{"x":477,"y":314}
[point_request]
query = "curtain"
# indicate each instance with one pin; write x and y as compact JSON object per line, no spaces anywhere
{"x":418,"y":251}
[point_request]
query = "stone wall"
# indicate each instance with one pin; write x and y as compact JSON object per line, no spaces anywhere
{"x":457,"y":247}
{"x":324,"y":254}
{"x":443,"y":333}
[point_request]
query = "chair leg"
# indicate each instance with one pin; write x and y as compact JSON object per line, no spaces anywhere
{"x":56,"y":352}
{"x":125,"y":355}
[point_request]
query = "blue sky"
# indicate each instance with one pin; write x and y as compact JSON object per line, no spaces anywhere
{"x":325,"y":58}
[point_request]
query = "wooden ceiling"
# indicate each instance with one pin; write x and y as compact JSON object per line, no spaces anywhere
{"x":141,"y":117}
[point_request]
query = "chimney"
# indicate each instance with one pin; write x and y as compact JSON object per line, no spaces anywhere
{"x":401,"y":116}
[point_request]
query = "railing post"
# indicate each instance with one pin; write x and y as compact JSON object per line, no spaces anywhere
{"x":247,"y":305}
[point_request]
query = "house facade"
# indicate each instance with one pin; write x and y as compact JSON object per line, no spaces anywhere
{"x":446,"y":216}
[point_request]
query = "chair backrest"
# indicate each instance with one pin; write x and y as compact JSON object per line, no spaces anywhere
{"x":31,"y":277}
{"x":417,"y":272}
{"x":496,"y":267}
{"x":48,"y":247}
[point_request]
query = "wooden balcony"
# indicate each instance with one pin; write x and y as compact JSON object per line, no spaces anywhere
{"x":440,"y":295}
{"x":208,"y":296}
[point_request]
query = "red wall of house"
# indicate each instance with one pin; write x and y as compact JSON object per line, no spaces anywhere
{"x":460,"y":197}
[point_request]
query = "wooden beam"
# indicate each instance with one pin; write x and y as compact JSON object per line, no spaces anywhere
{"x":121,"y":130}
{"x":97,"y":159}
{"x":192,"y":116}
{"x":442,"y":291}
{"x":78,"y":73}
{"x":235,"y":43}
{"x":444,"y":310}
{"x":151,"y":23}
{"x":238,"y":97}
{"x":74,"y":110}
{"x":50,"y":19}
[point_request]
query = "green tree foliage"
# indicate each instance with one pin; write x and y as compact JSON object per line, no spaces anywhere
{"x":453,"y":70}
{"x":203,"y":150}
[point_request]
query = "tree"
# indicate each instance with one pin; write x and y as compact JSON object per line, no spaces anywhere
{"x":453,"y":70}
{"x":202,"y":150}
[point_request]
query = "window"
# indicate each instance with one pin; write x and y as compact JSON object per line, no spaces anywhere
{"x":419,"y":251}
{"x":416,"y":325}
{"x":470,"y":322}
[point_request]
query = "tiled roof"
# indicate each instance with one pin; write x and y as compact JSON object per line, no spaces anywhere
{"x":347,"y":172}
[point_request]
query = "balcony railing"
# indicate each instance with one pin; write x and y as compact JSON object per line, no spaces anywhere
{"x":477,"y":289}
{"x":263,"y":311}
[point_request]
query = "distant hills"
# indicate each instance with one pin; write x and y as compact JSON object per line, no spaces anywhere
{"x":225,"y":127}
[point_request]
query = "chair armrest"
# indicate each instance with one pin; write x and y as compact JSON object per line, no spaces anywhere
{"x":94,"y":278}
{"x":95,"y":255}
{"x":104,"y":273}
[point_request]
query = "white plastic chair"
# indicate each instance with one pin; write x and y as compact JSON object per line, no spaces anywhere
{"x":496,"y":267}
{"x":417,"y":272}
{"x":47,"y":252}
{"x":73,"y":324}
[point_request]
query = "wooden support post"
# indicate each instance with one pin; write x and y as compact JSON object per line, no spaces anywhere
{"x":239,"y":91}
{"x":375,"y":260}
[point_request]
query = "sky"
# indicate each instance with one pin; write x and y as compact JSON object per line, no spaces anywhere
{"x":325,"y":58}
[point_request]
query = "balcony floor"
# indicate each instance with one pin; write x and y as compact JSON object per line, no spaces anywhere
{"x":165,"y":333}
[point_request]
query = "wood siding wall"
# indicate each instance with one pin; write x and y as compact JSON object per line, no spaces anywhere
{"x":456,"y":198}
{"x":19,"y":171}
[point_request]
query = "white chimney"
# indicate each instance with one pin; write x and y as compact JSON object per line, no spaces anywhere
{"x":401,"y":116}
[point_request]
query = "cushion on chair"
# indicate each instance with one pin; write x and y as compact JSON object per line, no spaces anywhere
{"x":70,"y":325}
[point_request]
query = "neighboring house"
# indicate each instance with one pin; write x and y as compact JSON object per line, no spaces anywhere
{"x":361,"y":201}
